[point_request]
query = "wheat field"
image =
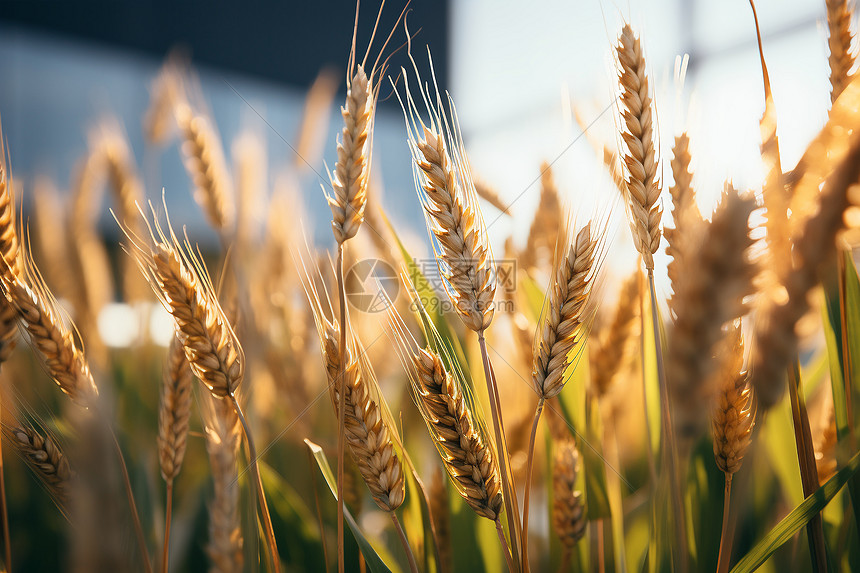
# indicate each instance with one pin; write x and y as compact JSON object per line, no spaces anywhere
{"x":523,"y":410}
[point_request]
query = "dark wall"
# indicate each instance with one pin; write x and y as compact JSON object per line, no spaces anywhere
{"x":281,"y":41}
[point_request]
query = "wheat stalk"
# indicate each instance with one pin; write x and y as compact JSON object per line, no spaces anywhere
{"x":609,"y":354}
{"x":839,"y":39}
{"x":705,"y":300}
{"x":223,"y":438}
{"x":640,"y":160}
{"x":775,"y":336}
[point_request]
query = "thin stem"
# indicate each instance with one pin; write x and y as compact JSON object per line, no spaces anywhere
{"x":565,"y":560}
{"x":413,"y":566}
{"x":505,"y":548}
{"x":258,"y":483}
{"x":808,"y":469}
{"x":138,"y":529}
{"x":847,"y":366}
{"x":341,"y":411}
{"x":652,"y":466}
{"x":7,"y":543}
{"x":168,"y":510}
{"x":725,"y":535}
{"x":601,"y":547}
{"x":498,"y":428}
{"x":669,"y":450}
{"x":530,"y":460}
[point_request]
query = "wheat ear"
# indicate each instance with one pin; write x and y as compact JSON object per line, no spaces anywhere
{"x":205,"y":163}
{"x":46,"y":459}
{"x":732,"y":424}
{"x":489,"y":194}
{"x":181,"y":282}
{"x":568,"y":512}
{"x":165,"y":92}
{"x":351,"y":172}
{"x":640,"y":160}
{"x":546,"y":224}
{"x":366,"y":430}
{"x":775,"y":337}
{"x":10,"y":253}
{"x":611,"y":350}
{"x":41,"y":318}
{"x":447,"y":192}
{"x":705,"y":301}
{"x":685,"y":212}
{"x":564,"y":321}
{"x":839,"y":38}
{"x":457,"y":434}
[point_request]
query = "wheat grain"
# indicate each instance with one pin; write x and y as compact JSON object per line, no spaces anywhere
{"x":640,"y":161}
{"x":563,"y":323}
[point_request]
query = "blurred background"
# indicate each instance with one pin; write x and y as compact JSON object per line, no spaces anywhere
{"x":520,"y":74}
{"x":516,"y":71}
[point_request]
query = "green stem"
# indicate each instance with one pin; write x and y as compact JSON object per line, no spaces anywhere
{"x":505,"y":548}
{"x":168,"y":510}
{"x":258,"y":484}
{"x":669,"y":449}
{"x":725,"y":555}
{"x":530,"y":460}
{"x":413,"y":566}
{"x":341,"y":411}
{"x":498,"y":428}
{"x":138,"y":529}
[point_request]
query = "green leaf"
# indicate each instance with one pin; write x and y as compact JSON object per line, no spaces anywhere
{"x":797,"y":519}
{"x":371,"y":557}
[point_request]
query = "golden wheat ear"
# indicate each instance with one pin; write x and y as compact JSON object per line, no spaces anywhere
{"x":444,"y":183}
{"x":565,"y":320}
{"x":368,"y":427}
{"x":349,"y":180}
{"x":179,"y":279}
{"x":444,"y":399}
{"x":9,"y":251}
{"x":733,"y":417}
{"x":640,"y":158}
{"x":704,"y":302}
{"x":568,"y":509}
